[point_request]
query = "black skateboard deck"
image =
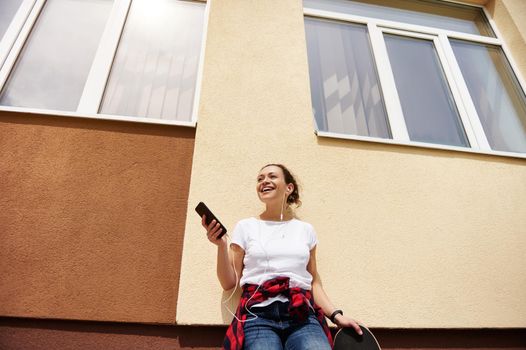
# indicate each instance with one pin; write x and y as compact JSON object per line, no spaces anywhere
{"x":348,"y":339}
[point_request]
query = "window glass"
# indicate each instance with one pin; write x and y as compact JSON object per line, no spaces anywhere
{"x":496,"y":93}
{"x":155,"y":70}
{"x":8,"y":10}
{"x":430,"y":13}
{"x":346,"y":94}
{"x":53,"y":66}
{"x":427,"y":104}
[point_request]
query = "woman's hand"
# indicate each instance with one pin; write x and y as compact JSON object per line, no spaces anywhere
{"x":229,"y":261}
{"x":346,"y":322}
{"x":213,"y":231}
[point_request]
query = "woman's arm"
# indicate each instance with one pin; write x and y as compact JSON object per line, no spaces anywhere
{"x":229,"y":261}
{"x":321,"y":298}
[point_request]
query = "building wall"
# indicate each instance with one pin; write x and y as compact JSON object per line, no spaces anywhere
{"x":93,"y":213}
{"x":21,"y":334}
{"x":409,"y":237}
{"x":91,"y":217}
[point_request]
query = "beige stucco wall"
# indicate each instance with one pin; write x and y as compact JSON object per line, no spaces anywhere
{"x":409,"y":237}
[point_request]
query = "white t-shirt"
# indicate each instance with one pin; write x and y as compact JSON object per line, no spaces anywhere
{"x":275,"y":248}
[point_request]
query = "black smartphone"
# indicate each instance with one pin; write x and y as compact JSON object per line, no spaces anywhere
{"x":202,"y":209}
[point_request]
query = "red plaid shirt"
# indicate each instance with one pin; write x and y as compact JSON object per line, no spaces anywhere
{"x":300,"y":299}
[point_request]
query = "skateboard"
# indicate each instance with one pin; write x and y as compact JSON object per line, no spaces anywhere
{"x":348,"y":339}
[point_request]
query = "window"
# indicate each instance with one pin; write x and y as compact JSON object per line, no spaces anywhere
{"x":429,"y":13}
{"x":117,"y":59}
{"x":155,"y":69}
{"x":53,"y":66}
{"x":424,"y":72}
{"x":427,"y":102}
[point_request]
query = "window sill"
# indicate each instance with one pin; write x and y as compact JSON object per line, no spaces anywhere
{"x":418,"y":144}
{"x":191,"y":124}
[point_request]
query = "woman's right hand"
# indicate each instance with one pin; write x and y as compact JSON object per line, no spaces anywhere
{"x":213,"y":231}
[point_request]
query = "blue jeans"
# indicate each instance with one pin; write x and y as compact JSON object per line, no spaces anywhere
{"x":275,"y":329}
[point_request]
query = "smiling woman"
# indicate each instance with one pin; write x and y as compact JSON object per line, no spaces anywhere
{"x":273,"y":258}
{"x":294,"y":196}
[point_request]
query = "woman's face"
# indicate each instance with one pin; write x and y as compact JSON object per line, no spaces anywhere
{"x":271,"y":186}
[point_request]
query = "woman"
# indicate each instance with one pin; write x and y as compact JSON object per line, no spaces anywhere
{"x":283,"y":303}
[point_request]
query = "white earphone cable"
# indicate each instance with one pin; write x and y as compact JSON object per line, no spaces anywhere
{"x":262,"y":279}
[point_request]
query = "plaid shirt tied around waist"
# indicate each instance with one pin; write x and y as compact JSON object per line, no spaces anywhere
{"x":299,"y":303}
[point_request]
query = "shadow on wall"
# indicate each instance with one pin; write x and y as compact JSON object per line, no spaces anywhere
{"x":55,"y":334}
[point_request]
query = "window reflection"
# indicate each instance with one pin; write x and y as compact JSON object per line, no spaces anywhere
{"x":345,"y":90}
{"x":8,"y":10}
{"x":155,"y":70}
{"x":54,"y":64}
{"x":496,"y":93}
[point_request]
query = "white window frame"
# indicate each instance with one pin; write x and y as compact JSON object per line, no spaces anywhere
{"x":14,"y":28}
{"x":20,"y":28}
{"x":466,"y":109}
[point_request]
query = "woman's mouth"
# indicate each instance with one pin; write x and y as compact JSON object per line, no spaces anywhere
{"x":267,"y":189}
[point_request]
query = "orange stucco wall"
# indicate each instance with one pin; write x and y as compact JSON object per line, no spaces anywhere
{"x":91,"y":217}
